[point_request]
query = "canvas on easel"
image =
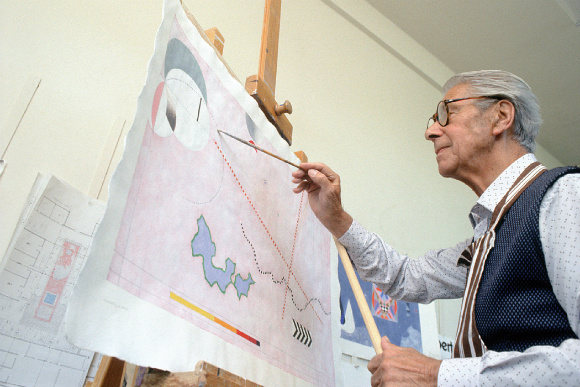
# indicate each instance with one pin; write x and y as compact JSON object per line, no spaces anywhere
{"x":204,"y":252}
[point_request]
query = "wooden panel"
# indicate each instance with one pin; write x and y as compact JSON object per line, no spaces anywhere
{"x":302,"y":156}
{"x":216,"y":38}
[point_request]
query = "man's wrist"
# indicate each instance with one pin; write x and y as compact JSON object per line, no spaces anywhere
{"x":339,"y":226}
{"x":433,"y":371}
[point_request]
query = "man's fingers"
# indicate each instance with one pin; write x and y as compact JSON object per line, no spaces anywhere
{"x":307,"y":166}
{"x":304,"y":185}
{"x":318,"y":178}
{"x":299,"y":180}
{"x":374,"y":364}
{"x":385,"y":342}
{"x":322,"y":168}
{"x":318,"y":173}
{"x":299,"y":173}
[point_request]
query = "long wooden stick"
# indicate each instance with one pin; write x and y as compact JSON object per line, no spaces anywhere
{"x":360,"y":298}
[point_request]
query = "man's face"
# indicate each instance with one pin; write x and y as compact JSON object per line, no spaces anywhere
{"x":462,"y":147}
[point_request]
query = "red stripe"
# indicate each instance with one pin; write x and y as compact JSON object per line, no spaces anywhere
{"x":250,"y":339}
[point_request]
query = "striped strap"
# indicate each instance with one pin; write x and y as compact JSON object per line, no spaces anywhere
{"x":468,"y":342}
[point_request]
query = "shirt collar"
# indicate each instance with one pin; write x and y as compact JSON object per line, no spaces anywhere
{"x":489,"y":199}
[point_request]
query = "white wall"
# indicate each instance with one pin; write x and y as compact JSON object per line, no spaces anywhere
{"x":361,"y":90}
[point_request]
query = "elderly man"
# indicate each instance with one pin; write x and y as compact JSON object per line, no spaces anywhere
{"x":520,"y":274}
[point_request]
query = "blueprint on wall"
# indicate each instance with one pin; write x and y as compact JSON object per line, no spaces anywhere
{"x":39,"y":270}
{"x":204,"y":252}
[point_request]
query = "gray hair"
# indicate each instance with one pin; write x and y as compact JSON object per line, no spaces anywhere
{"x":508,"y":86}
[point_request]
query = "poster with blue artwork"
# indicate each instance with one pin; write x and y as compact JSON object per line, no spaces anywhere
{"x":398,"y":320}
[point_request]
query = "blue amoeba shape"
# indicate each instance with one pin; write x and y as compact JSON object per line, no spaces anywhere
{"x":243,"y":285}
{"x":202,"y":245}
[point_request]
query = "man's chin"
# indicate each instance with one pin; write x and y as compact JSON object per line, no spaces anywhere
{"x":445,"y":171}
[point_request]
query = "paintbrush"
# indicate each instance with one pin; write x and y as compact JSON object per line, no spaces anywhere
{"x":261,"y":150}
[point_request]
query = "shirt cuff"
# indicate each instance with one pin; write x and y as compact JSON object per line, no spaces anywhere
{"x":460,"y":372}
{"x":354,"y":237}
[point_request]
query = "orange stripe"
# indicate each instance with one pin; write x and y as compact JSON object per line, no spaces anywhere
{"x":225,"y":324}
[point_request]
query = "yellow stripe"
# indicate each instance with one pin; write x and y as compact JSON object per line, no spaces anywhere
{"x":191,"y":306}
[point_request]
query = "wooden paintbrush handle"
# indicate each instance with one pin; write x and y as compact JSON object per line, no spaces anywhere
{"x":360,"y":298}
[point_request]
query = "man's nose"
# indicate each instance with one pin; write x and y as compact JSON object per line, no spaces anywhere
{"x":433,"y":131}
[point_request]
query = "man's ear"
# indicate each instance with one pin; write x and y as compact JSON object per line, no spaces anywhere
{"x":504,"y":118}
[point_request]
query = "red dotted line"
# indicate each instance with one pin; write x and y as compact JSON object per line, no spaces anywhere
{"x":250,"y":201}
{"x":265,"y":228}
{"x":292,"y":255}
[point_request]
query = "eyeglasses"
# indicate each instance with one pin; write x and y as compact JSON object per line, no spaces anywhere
{"x":442,"y":113}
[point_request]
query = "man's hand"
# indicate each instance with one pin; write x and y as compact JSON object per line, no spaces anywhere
{"x":398,"y":366}
{"x":323,"y":188}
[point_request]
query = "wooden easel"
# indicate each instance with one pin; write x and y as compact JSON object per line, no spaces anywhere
{"x":263,"y":85}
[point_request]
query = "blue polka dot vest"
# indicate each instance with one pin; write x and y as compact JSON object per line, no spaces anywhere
{"x":515,"y":306}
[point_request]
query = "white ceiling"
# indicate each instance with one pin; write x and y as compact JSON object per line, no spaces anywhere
{"x":534,"y":39}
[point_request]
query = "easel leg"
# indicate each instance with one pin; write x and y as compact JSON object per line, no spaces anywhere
{"x":110,"y":373}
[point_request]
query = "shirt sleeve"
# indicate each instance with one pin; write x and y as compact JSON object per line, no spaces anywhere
{"x":560,"y":237}
{"x":539,"y":365}
{"x":433,"y":276}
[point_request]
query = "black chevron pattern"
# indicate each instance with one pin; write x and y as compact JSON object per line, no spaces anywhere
{"x":302,"y":334}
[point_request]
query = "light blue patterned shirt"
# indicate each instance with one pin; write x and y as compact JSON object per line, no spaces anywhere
{"x":436,"y":275}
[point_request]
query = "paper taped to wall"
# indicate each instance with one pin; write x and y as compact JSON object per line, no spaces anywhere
{"x":42,"y":263}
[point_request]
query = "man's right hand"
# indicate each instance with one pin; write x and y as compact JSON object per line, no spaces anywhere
{"x":323,"y":188}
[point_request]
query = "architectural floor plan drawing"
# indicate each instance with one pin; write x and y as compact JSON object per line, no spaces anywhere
{"x":40,"y":268}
